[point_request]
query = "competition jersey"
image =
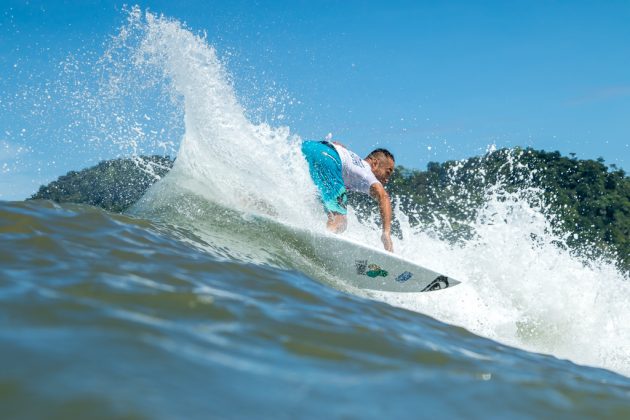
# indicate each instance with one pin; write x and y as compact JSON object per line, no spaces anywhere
{"x":356,"y":172}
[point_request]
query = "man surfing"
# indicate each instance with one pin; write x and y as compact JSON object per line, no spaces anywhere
{"x":335,"y":169}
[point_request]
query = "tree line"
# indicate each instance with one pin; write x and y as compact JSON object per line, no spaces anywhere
{"x":113,"y":185}
{"x":588,"y":201}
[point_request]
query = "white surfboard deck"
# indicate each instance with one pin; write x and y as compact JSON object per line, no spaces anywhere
{"x":369,"y":268}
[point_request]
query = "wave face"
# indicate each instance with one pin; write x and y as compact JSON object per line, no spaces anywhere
{"x":526,"y":292}
{"x":191,"y":304}
{"x":108,"y":316}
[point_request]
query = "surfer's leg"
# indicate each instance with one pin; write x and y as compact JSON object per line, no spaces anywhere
{"x":337,"y":223}
{"x":324,"y":166}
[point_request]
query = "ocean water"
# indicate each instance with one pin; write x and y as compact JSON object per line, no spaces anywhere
{"x":187,"y":306}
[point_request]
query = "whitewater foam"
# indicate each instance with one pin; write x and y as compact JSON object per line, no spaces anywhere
{"x":523,"y":289}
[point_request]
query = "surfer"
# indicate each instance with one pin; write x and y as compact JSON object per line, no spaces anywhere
{"x":336,"y":169}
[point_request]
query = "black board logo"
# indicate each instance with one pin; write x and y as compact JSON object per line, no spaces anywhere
{"x":404,"y":277}
{"x":370,"y":270}
{"x":361,"y":267}
{"x":439,"y":283}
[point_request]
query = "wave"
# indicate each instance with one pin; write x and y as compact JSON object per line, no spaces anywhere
{"x":519,"y":287}
{"x":118,"y":316}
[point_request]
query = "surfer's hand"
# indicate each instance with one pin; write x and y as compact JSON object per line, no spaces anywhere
{"x":387,"y":241}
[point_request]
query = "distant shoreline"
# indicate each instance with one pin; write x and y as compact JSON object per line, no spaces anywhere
{"x":588,"y":198}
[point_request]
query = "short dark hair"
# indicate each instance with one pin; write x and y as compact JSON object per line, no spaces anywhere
{"x":376,"y":152}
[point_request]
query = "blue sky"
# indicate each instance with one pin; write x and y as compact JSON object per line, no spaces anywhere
{"x":432,"y":81}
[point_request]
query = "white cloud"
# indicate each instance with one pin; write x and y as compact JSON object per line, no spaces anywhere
{"x":602,"y":94}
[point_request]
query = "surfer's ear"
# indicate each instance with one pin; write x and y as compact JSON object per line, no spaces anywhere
{"x":373,"y":162}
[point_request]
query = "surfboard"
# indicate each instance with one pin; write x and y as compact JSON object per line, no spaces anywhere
{"x":369,"y":268}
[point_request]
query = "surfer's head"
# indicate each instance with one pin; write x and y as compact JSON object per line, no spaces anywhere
{"x":382,"y":164}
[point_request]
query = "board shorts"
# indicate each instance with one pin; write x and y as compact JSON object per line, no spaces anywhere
{"x":324,"y":165}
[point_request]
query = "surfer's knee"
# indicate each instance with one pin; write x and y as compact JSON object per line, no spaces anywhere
{"x":337,"y":223}
{"x":343,"y":224}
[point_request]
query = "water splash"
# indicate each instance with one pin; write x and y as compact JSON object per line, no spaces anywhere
{"x":520,"y":287}
{"x":222,"y":155}
{"x":524,"y":285}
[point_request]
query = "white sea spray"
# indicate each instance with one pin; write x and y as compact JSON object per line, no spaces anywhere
{"x":521,"y":284}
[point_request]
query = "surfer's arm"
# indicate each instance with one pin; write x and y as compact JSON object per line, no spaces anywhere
{"x":385,"y":206}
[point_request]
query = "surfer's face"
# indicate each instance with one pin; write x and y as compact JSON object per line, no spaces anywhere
{"x":382,"y":168}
